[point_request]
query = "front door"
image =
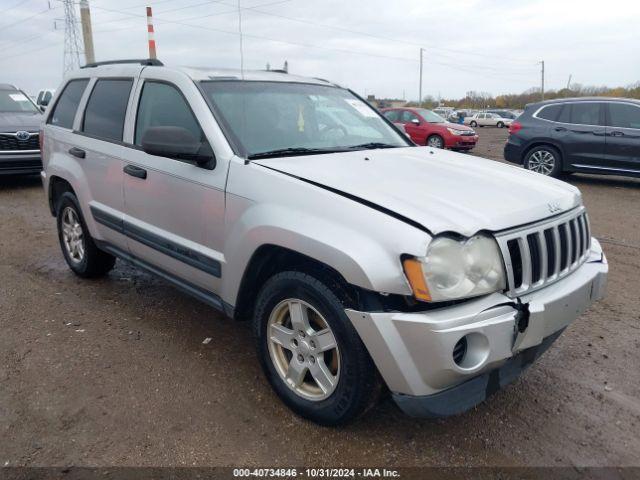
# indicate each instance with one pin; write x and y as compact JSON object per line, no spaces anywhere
{"x":623,"y":137}
{"x":174,"y":209}
{"x":580,"y":130}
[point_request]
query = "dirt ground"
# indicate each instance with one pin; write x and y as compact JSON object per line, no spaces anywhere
{"x":114,"y":372}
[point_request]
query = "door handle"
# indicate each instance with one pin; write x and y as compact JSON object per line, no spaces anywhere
{"x":560,"y":129}
{"x":77,"y":152}
{"x":135,"y":171}
{"x":617,"y":134}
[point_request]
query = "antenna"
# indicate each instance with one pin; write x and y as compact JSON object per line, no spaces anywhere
{"x":71,"y":58}
{"x":241,"y":48}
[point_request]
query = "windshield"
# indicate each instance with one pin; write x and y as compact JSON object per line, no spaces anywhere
{"x":430,"y":117}
{"x":300,"y":118}
{"x":14,"y":101}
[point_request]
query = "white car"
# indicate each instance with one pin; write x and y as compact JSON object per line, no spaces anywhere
{"x":487,"y":120}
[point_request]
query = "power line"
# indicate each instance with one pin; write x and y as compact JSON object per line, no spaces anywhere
{"x":19,"y":4}
{"x":6,"y":27}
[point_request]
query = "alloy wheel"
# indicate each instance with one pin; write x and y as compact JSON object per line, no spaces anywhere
{"x":542,"y":161}
{"x":435,"y":142}
{"x":303,"y":349}
{"x":72,"y":235}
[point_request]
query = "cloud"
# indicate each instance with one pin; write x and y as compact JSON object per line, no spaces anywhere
{"x":371,"y":46}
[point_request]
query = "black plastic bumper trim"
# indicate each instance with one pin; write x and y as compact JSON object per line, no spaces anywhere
{"x":467,"y":395}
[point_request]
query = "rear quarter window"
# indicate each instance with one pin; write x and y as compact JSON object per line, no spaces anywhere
{"x":106,"y":109}
{"x":550,"y":112}
{"x":65,"y":110}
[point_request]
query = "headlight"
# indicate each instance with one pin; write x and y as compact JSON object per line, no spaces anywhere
{"x":454,"y":131}
{"x":454,"y":269}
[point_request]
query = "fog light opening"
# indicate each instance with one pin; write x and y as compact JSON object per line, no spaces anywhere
{"x":471,"y":351}
{"x":460,"y":350}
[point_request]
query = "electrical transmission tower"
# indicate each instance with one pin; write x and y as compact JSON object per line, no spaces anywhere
{"x":72,"y":48}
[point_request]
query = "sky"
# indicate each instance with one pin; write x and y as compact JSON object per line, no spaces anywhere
{"x":371,"y":46}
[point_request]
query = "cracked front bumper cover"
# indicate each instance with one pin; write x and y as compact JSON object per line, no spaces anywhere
{"x":467,"y":395}
{"x":414,"y":351}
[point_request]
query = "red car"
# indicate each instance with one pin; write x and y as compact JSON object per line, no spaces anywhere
{"x":428,"y":128}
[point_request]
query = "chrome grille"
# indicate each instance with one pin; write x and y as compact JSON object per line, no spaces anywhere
{"x":9,"y":142}
{"x":540,"y":254}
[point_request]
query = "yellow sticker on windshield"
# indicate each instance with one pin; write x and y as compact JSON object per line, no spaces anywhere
{"x":301,"y":119}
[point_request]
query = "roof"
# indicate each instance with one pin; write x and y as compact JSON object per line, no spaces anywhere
{"x":585,"y":99}
{"x":114,"y":67}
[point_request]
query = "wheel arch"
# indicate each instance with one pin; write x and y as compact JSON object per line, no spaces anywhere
{"x":57,"y":186}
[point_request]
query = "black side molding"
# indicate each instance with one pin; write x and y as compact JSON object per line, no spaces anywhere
{"x":168,"y":247}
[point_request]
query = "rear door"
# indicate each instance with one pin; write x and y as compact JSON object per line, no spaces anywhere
{"x":623,"y":137}
{"x":99,"y":148}
{"x":174,"y":208}
{"x":580,"y":130}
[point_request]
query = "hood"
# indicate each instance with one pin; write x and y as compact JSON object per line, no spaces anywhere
{"x":457,"y":126}
{"x":441,"y":190}
{"x":12,"y":121}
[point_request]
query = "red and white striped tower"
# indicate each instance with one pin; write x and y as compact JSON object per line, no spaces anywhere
{"x":152,"y":41}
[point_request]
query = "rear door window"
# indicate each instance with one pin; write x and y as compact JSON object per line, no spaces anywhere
{"x":623,"y":115}
{"x":65,"y":110}
{"x":550,"y":112}
{"x":585,"y":114}
{"x":392,"y":115}
{"x":106,"y":109}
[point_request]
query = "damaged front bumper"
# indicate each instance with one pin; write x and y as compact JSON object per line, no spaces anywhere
{"x":414,"y":352}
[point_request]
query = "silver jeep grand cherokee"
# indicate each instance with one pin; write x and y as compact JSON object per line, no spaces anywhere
{"x":358,"y":257}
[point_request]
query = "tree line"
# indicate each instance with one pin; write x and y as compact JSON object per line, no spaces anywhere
{"x":479,"y":100}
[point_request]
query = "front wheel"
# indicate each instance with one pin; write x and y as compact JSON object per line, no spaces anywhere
{"x":310,"y":352}
{"x":500,"y":125}
{"x":473,"y":124}
{"x":435,"y":141}
{"x":544,"y":160}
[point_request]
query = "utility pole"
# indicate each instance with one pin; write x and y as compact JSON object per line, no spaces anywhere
{"x":542,"y":84}
{"x":71,"y":56}
{"x":569,"y":82}
{"x":420,"y":89}
{"x":87,"y":34}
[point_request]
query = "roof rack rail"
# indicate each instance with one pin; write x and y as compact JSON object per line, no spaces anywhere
{"x":276,"y":70}
{"x":145,"y":61}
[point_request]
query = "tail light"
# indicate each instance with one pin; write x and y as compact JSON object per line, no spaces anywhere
{"x":515,"y":128}
{"x":41,"y":139}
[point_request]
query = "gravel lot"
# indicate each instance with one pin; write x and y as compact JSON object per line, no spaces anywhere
{"x":114,"y":371}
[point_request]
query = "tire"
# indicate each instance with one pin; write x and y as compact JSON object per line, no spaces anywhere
{"x":355,"y":380}
{"x":473,"y":124}
{"x":500,"y":125}
{"x":79,"y":250}
{"x":545,"y":160}
{"x":435,"y":141}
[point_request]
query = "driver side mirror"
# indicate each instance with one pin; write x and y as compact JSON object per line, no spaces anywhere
{"x":180,"y":144}
{"x":415,"y":121}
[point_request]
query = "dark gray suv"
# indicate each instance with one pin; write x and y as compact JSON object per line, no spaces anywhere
{"x":19,"y":138}
{"x":588,"y":135}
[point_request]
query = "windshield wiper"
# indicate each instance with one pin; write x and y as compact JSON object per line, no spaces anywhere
{"x":290,"y":152}
{"x":372,"y":146}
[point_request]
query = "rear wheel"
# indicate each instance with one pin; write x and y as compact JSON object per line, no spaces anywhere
{"x":435,"y":141}
{"x":544,"y":160}
{"x":79,"y":249}
{"x":310,"y":352}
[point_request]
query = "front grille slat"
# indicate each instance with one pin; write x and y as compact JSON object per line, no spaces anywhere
{"x":540,"y":254}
